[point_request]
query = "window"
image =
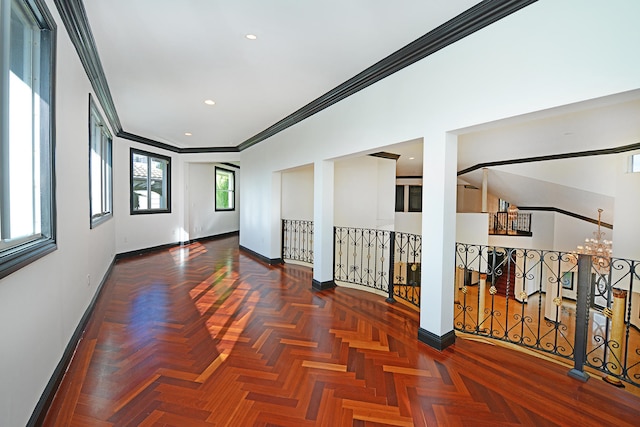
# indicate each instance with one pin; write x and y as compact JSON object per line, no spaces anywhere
{"x":635,"y":163}
{"x":150,"y":183}
{"x":100,"y":193}
{"x":399,"y":198}
{"x":27,"y":199}
{"x":415,"y":198}
{"x":225,"y":190}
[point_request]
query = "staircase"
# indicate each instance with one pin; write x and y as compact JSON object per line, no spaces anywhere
{"x":505,"y":273}
{"x":508,"y":275}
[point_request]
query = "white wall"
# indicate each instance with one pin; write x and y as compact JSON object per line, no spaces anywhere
{"x":364,"y":192}
{"x":506,"y":69}
{"x":42,"y":304}
{"x":141,"y":231}
{"x":571,"y":232}
{"x":472,"y":228}
{"x":627,"y":211}
{"x":386,"y":193}
{"x":297,"y":193}
{"x":204,"y":220}
{"x":468,"y":199}
{"x":408,"y":222}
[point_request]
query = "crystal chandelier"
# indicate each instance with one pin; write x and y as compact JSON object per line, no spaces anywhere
{"x":599,"y":248}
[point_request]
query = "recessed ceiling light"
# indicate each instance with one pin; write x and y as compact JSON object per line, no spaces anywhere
{"x":251,"y":36}
{"x":210,"y":102}
{"x":188,"y":133}
{"x":411,"y":158}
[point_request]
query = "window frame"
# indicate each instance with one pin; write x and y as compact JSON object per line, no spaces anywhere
{"x":106,"y":167}
{"x":411,"y":207}
{"x":634,"y":160}
{"x":23,"y":251}
{"x":399,"y":198}
{"x":150,"y":157}
{"x":233,"y":191}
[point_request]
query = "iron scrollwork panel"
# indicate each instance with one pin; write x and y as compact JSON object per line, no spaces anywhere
{"x":504,"y":294}
{"x":297,"y":240}
{"x":614,"y":337}
{"x":362,"y":257}
{"x":407,"y":267}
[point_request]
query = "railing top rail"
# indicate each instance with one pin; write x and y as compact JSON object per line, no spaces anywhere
{"x":374,"y":229}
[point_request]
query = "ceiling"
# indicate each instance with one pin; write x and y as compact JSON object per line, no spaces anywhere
{"x":163,"y":58}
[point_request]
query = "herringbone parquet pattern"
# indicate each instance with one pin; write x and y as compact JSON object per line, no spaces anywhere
{"x":203,"y":335}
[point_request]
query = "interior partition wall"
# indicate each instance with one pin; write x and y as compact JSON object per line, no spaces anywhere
{"x":454,"y":90}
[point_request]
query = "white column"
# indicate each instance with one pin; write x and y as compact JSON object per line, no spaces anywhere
{"x":438,"y":240}
{"x":323,"y":187}
{"x":485,"y":183}
{"x":625,"y":215}
{"x":275,"y":246}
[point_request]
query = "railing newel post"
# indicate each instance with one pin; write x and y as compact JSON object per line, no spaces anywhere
{"x":392,"y":256}
{"x":282,"y":236}
{"x":335,"y":233}
{"x":582,"y":318}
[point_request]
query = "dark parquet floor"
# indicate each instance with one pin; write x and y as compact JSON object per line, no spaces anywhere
{"x":203,"y":335}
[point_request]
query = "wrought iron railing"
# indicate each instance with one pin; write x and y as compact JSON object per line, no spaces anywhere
{"x":615,"y":341}
{"x":407,"y":250}
{"x":297,"y":240}
{"x":383,"y":260}
{"x":362,"y":257}
{"x":517,"y":224}
{"x":554,"y":302}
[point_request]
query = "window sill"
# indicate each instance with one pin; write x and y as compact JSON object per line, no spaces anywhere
{"x":21,"y":257}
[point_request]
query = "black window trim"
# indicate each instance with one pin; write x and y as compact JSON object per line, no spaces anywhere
{"x":152,"y":155}
{"x":97,"y":219}
{"x":215,"y":198}
{"x":399,"y":207}
{"x":411,"y":207}
{"x":17,"y":257}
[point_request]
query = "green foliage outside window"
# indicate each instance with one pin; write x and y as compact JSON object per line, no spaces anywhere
{"x":225,"y":190}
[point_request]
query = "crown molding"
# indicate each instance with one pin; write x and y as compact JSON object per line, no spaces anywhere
{"x":75,"y":20}
{"x":564,"y":212}
{"x":485,"y":13}
{"x":172,"y":148}
{"x":600,"y":152}
{"x":467,"y":23}
{"x":385,"y":155}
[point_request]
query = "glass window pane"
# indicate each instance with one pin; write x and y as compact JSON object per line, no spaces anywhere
{"x":140,"y":197}
{"x":107,"y":156}
{"x":399,"y":198}
{"x":99,"y":167}
{"x":27,"y":226}
{"x":415,"y":198}
{"x":635,"y":163}
{"x":150,"y":183}
{"x":158,"y":186}
{"x":225,"y":189}
{"x":23,"y":172}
